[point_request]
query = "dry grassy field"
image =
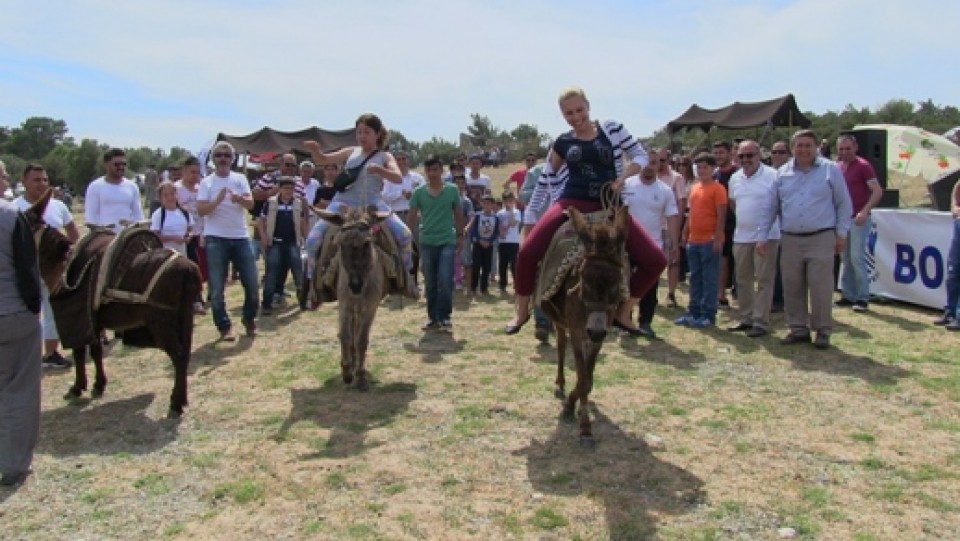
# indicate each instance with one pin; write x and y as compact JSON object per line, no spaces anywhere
{"x":701,"y":435}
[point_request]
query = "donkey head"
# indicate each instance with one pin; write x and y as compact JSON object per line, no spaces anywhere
{"x":53,"y":247}
{"x":601,"y":271}
{"x":356,"y":242}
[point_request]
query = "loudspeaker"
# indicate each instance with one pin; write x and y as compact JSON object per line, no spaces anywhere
{"x":890,"y":199}
{"x":872,"y":146}
{"x":942,"y":190}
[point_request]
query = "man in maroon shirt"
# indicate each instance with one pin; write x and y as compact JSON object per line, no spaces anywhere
{"x":865,"y":192}
{"x":723,"y":153}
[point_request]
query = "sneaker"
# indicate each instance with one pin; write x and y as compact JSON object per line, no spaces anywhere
{"x":430,"y":325}
{"x":685,"y":320}
{"x":266,"y":310}
{"x":842,"y":301}
{"x":646,"y":331}
{"x":673,"y":300}
{"x":251,"y":327}
{"x":227,"y":335}
{"x":795,"y":338}
{"x":953,"y":325}
{"x":756,"y":332}
{"x":56,"y":360}
{"x":446,"y":326}
{"x":860,"y":306}
{"x":701,"y":323}
{"x":822,"y":341}
{"x":945,"y":319}
{"x":542,"y":333}
{"x":723,"y":303}
{"x":198,"y":309}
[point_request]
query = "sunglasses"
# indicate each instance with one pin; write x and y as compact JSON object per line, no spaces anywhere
{"x":459,"y":177}
{"x":289,"y":165}
{"x":222,"y":155}
{"x":778,"y":152}
{"x":747,"y":155}
{"x":119,"y":164}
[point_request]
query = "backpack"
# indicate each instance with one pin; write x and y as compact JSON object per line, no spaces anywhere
{"x":163,"y":216}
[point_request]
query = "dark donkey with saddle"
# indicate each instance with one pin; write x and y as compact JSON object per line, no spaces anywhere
{"x":582,"y":281}
{"x":122,"y":281}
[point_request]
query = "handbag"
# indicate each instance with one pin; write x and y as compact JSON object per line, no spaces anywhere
{"x":349,"y":175}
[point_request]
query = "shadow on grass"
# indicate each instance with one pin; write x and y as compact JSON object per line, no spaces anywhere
{"x":434,"y":344}
{"x":104,"y":427}
{"x":660,"y":351}
{"x":348,"y":413}
{"x":214,"y":354}
{"x":621,"y":472}
{"x":807,"y":358}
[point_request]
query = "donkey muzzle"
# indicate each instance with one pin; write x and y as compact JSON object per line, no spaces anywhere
{"x":597,"y":326}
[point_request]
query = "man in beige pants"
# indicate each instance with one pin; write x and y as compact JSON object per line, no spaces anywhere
{"x":815,"y":212}
{"x":752,"y":196}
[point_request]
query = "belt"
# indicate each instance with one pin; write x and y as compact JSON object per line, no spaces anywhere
{"x":808,"y":233}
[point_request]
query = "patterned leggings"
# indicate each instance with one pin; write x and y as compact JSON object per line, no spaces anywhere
{"x":396,"y":226}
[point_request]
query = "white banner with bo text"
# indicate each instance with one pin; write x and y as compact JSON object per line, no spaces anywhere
{"x":907,"y":255}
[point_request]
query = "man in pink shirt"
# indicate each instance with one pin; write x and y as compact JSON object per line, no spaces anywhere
{"x":865,"y":193}
{"x":678,"y":184}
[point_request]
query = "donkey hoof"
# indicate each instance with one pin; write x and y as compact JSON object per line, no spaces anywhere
{"x":558,"y":393}
{"x":363,"y":386}
{"x":567,"y":415}
{"x":348,"y":378}
{"x":72,"y":394}
{"x":96,"y":393}
{"x":587,"y":442}
{"x":174,"y":414}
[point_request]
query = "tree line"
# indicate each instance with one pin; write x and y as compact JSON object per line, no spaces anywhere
{"x":75,"y":164}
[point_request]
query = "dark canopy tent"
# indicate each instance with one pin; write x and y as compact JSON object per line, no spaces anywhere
{"x":269,"y":140}
{"x":778,"y":112}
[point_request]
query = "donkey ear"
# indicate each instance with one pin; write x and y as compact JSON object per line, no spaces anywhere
{"x":335,"y":218}
{"x":35,"y":213}
{"x":576,"y":220}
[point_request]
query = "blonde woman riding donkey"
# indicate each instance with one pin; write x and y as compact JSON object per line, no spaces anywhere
{"x":376,"y":167}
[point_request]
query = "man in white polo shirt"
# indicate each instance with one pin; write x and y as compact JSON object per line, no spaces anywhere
{"x":112,"y":200}
{"x":653,"y":204}
{"x":223,"y":200}
{"x":752,"y":194}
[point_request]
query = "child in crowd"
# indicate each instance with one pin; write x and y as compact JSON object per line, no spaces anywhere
{"x":510,"y":219}
{"x":463,"y":263}
{"x":703,"y":235}
{"x":281,"y":237}
{"x":172,"y":222}
{"x":484,"y":229}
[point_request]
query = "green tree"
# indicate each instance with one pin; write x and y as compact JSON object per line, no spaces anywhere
{"x":482,"y":130}
{"x":85,"y":164}
{"x":444,"y":149}
{"x":35,"y":138}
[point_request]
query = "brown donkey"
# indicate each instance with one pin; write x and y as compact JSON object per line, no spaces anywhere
{"x":163,"y":320}
{"x":583,"y":306}
{"x":361,"y":285}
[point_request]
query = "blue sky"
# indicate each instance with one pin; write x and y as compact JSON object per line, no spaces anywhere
{"x":176,"y":72}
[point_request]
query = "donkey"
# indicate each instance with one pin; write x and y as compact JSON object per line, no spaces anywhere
{"x":361,"y":285}
{"x":583,"y":307}
{"x":163,"y":320}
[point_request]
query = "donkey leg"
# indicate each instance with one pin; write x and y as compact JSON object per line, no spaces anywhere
{"x":590,"y":362}
{"x":80,"y":374}
{"x":100,"y":376}
{"x":175,"y":340}
{"x":560,"y":390}
{"x":362,"y":342}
